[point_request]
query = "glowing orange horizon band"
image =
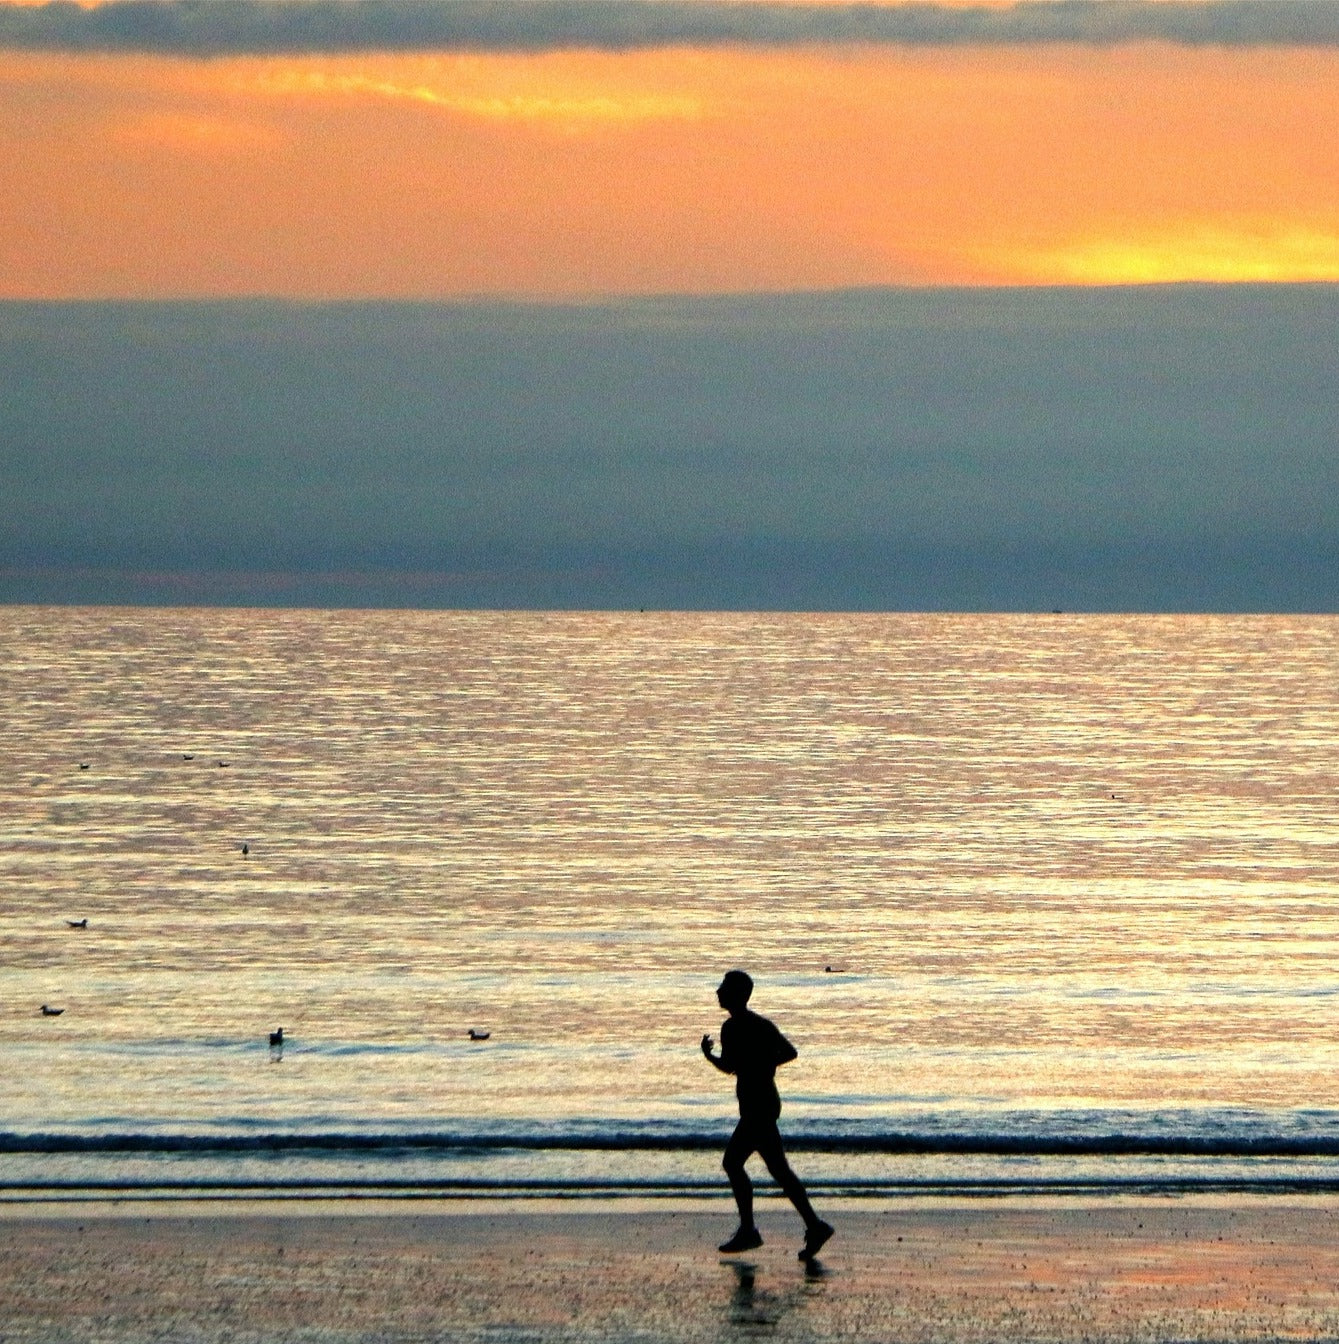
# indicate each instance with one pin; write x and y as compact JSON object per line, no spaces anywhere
{"x":580,"y":173}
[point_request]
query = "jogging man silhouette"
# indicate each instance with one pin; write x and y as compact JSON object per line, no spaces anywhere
{"x":753,"y":1049}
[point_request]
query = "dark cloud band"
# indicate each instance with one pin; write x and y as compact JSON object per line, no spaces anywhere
{"x":228,"y":27}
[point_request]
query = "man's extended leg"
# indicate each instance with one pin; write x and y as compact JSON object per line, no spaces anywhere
{"x":816,"y":1231}
{"x":737,"y":1152}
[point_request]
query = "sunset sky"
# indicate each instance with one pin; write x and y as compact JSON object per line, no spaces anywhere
{"x":463,"y":152}
{"x":662,"y":167}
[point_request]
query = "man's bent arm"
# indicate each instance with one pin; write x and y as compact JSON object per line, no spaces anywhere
{"x":718,"y":1061}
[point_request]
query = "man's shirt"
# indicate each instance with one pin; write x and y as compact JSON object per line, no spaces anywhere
{"x":751,"y":1049}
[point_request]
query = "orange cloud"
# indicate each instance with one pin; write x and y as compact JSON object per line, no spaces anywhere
{"x":683,"y":170}
{"x":461,"y":87}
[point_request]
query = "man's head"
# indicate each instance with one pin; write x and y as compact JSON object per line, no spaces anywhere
{"x":734,"y":990}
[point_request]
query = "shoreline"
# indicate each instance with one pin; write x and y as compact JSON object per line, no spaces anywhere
{"x":1058,"y":1269}
{"x":501,"y":1193}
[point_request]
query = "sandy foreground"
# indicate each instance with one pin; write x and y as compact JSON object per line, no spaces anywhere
{"x":970,"y":1270}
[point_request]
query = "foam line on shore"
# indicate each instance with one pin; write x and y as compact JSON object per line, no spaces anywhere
{"x":482,"y":1188}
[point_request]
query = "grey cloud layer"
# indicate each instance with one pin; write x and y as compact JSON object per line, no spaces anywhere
{"x":223,"y":27}
{"x":1159,"y":448}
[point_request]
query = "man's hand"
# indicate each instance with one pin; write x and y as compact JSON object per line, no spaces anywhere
{"x":706,"y":1046}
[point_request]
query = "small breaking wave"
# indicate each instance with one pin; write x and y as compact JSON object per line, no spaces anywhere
{"x":933,"y":1152}
{"x":1311,"y":1145}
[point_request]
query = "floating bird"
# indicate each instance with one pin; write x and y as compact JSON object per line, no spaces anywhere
{"x":246,"y":849}
{"x":78,"y":923}
{"x":223,"y":765}
{"x":188,"y":758}
{"x":479,"y":1035}
{"x":48,"y":1011}
{"x":834,"y":970}
{"x":277,"y":1037}
{"x":82,"y":766}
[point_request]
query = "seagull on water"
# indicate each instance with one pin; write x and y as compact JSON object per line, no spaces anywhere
{"x":78,"y":923}
{"x":479,"y":1035}
{"x":48,"y":1011}
{"x":277,"y":1037}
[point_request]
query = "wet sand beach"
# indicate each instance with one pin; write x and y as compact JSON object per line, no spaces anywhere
{"x":961,"y":1270}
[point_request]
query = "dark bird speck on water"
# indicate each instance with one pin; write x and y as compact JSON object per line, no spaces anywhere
{"x":82,"y":766}
{"x":479,"y":1035}
{"x":277,"y":1038}
{"x":49,"y":1011}
{"x":78,"y":923}
{"x":246,"y":849}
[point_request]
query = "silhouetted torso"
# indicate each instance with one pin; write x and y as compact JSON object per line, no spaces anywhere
{"x":751,"y":1049}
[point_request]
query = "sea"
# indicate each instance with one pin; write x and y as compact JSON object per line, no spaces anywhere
{"x":1046,"y":902}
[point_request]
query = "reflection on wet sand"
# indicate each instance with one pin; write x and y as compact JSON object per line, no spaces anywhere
{"x":756,"y":1308}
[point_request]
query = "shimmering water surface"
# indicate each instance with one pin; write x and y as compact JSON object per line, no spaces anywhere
{"x":1075,"y":876}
